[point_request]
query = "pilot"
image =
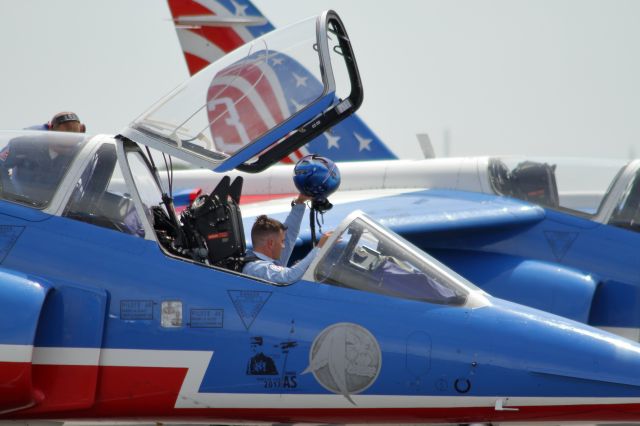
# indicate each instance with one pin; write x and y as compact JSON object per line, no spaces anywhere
{"x":273,"y":243}
{"x":62,"y":122}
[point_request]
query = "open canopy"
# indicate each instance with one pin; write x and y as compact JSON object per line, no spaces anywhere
{"x":259,"y":103}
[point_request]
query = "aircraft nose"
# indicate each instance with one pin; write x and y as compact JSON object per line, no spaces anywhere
{"x":568,"y":353}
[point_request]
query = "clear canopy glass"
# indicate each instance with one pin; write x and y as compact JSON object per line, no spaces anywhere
{"x":33,"y":163}
{"x":369,"y":257}
{"x":239,"y":99}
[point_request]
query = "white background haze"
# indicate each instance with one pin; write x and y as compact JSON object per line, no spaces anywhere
{"x":530,"y":77}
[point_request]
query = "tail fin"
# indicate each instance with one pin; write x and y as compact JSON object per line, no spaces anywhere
{"x":209,"y":29}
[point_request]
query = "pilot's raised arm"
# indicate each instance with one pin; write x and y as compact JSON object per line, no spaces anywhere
{"x":273,"y":244}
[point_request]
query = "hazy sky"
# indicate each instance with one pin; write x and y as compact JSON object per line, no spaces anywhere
{"x":543,"y":77}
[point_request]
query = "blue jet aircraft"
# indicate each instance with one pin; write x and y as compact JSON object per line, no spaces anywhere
{"x":571,"y":256}
{"x":115,"y":309}
{"x":559,"y":235}
{"x":576,"y":261}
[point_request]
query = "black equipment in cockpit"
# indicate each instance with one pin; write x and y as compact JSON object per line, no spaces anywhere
{"x":213,"y":226}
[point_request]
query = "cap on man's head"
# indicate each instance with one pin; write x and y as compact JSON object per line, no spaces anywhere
{"x":63,"y":117}
{"x":66,"y":122}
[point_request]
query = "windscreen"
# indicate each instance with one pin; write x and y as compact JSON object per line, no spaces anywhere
{"x":626,"y":213}
{"x":33,"y":163}
{"x":235,"y":101}
{"x":367,"y":258}
{"x":577,"y":184}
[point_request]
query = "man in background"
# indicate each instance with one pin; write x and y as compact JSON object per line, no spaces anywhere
{"x":62,"y":122}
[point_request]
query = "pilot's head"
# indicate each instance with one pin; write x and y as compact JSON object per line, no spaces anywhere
{"x":267,"y":236}
{"x":66,"y":122}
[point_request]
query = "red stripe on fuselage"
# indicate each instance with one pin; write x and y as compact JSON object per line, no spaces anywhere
{"x":248,"y":199}
{"x":256,"y":198}
{"x":150,"y":393}
{"x":121,"y":392}
{"x":65,"y":387}
{"x":15,"y":385}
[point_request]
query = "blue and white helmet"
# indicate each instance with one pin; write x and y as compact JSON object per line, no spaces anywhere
{"x":316,"y":177}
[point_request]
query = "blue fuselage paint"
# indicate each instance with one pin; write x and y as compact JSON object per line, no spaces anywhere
{"x":510,"y":248}
{"x":263,"y":328}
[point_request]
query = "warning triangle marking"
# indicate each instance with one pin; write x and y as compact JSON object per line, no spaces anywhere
{"x":560,"y":242}
{"x":248,"y":304}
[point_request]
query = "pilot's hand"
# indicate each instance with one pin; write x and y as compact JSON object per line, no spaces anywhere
{"x":302,"y":199}
{"x":324,"y":238}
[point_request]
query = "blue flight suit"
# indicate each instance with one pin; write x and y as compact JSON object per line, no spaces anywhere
{"x":276,"y":270}
{"x":38,"y":127}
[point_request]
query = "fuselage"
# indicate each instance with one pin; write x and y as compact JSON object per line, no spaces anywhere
{"x":127,"y":331}
{"x":116,"y":309}
{"x":578,"y":259}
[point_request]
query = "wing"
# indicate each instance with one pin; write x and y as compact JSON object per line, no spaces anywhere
{"x":418,"y":212}
{"x":495,"y":242}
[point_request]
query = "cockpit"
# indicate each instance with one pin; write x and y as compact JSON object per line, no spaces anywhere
{"x":91,"y":186}
{"x":32,"y":164}
{"x":364,"y":255}
{"x":602,"y":190}
{"x":361,"y":255}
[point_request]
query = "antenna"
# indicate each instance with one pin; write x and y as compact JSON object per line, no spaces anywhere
{"x":425,"y":145}
{"x":447,"y":142}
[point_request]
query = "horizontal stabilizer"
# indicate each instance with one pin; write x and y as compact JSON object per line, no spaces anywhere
{"x":218,"y":21}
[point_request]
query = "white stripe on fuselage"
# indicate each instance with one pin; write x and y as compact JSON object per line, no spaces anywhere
{"x":16,"y":353}
{"x":66,"y":356}
{"x":197,"y":362}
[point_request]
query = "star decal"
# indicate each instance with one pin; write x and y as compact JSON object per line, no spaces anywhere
{"x":300,"y":81}
{"x":241,"y":9}
{"x":277,"y":60}
{"x":332,"y":141}
{"x":364,"y":142}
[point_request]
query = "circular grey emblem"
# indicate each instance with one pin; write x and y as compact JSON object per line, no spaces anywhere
{"x":345,"y":359}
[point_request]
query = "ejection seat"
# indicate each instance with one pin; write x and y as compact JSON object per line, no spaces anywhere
{"x":214,"y":222}
{"x":536,"y":183}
